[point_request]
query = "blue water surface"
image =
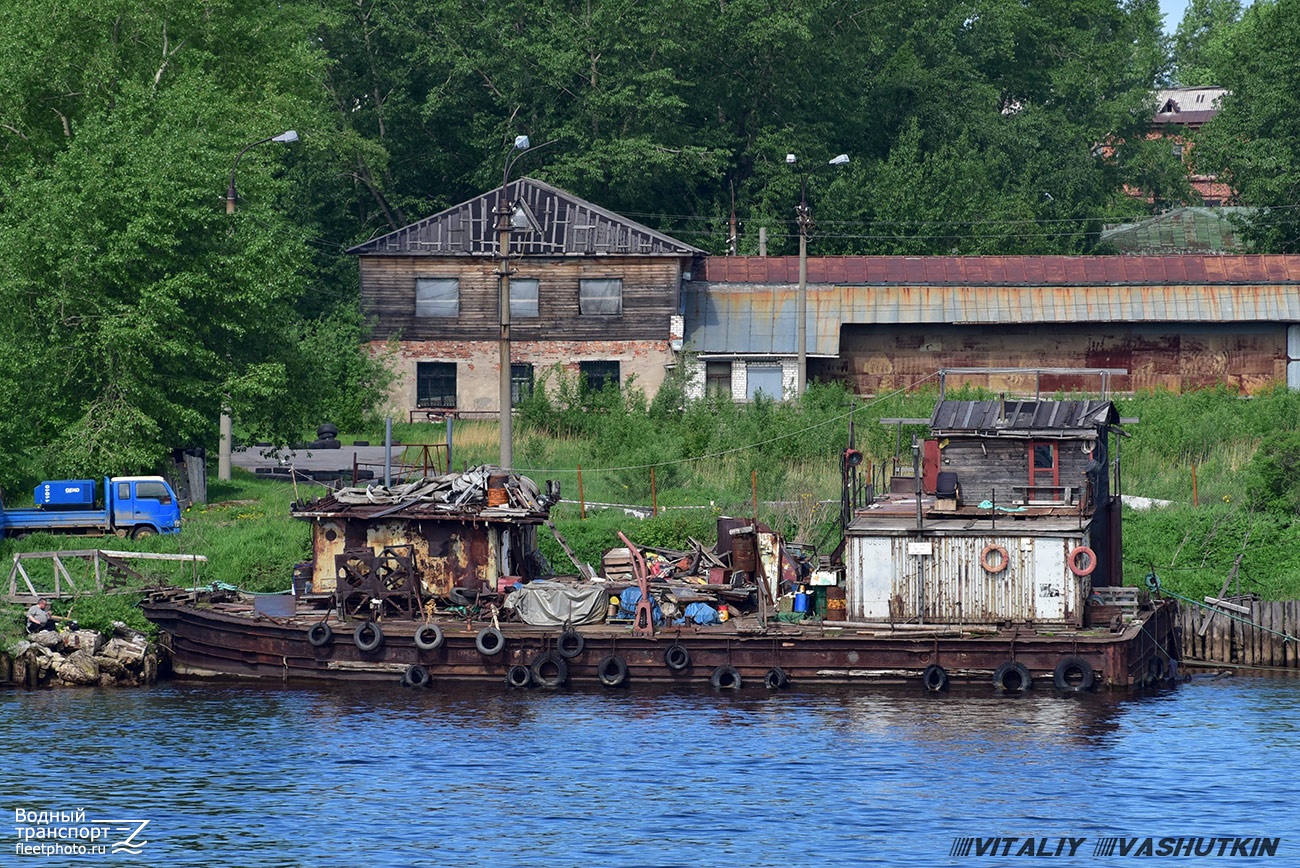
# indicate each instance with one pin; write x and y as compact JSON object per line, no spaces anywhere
{"x":238,"y":774}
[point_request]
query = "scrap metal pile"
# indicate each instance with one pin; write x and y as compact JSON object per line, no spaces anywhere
{"x":486,"y":485}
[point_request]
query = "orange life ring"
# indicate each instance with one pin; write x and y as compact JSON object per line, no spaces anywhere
{"x":1074,"y":561}
{"x":1002,"y":563}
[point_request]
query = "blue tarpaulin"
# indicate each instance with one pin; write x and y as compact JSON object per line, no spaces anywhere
{"x":699,"y":613}
{"x":627,"y":606}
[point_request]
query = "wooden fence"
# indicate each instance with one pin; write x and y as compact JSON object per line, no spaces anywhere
{"x":1255,"y":633}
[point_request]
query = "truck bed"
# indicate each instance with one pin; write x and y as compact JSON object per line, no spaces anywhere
{"x":87,"y":521}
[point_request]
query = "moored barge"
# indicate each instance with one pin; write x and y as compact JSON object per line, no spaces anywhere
{"x":995,"y":563}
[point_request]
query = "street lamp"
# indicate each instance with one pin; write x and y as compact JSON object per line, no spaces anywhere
{"x":508,"y":219}
{"x":805,"y":221}
{"x":286,"y":137}
{"x":223,"y":448}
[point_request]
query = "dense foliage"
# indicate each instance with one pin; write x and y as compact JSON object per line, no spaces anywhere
{"x":1254,"y":143}
{"x":137,"y":308}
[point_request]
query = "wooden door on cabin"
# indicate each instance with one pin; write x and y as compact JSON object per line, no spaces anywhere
{"x":1044,"y":471}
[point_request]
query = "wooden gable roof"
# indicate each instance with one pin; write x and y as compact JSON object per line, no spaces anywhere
{"x":559,"y":224}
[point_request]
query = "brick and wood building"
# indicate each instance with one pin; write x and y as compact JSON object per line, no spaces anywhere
{"x":592,"y":292}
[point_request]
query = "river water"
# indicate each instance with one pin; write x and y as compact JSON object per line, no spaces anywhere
{"x":247,"y":775}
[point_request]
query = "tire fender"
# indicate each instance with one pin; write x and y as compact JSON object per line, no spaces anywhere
{"x":725,"y":678}
{"x":1074,"y":675}
{"x":428,"y":637}
{"x":320,"y":634}
{"x":612,"y":671}
{"x":550,"y":670}
{"x":490,"y":641}
{"x":368,"y":636}
{"x":1012,"y":677}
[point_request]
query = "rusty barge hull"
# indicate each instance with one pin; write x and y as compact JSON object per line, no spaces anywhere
{"x":222,"y":640}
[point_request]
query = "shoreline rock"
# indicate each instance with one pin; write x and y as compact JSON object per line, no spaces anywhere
{"x":83,"y":658}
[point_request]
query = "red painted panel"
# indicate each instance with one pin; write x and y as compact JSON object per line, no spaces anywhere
{"x":1175,"y":269}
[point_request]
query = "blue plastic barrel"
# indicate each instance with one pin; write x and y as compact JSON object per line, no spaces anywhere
{"x":801,"y":602}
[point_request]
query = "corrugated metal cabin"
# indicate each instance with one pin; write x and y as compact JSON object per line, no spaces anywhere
{"x":1011,"y":520}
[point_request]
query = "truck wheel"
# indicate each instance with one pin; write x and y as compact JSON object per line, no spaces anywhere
{"x":142,"y":532}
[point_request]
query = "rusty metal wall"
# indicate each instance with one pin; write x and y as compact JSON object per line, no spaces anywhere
{"x":939,"y":580}
{"x":445,"y":554}
{"x":1244,"y":355}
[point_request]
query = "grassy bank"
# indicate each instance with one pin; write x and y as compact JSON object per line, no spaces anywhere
{"x":699,"y":460}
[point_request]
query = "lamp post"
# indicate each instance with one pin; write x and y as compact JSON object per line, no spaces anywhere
{"x":803,"y":217}
{"x":223,"y":446}
{"x":286,"y":137}
{"x":506,"y":222}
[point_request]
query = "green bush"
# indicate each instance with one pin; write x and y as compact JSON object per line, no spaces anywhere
{"x":1273,"y":480}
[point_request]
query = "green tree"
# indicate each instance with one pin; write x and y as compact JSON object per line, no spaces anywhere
{"x":1199,"y":37}
{"x":1254,"y":143}
{"x":137,"y":307}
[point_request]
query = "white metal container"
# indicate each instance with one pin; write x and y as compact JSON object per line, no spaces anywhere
{"x":943,"y":579}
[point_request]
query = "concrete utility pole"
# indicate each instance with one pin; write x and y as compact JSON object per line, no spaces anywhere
{"x":505,"y":213}
{"x":804,"y":220}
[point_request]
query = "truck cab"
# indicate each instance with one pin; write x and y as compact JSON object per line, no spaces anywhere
{"x":142,"y":505}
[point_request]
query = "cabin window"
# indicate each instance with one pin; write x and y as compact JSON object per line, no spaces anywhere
{"x":763,"y":379}
{"x":603,"y":297}
{"x":1044,"y":470}
{"x":124,"y":491}
{"x":596,"y":375}
{"x":717,"y":379}
{"x":437,"y":296}
{"x":521,"y":382}
{"x":152,"y":491}
{"x":523,"y":297}
{"x":435,"y":384}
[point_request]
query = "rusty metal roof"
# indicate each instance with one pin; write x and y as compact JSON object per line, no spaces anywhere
{"x":1021,"y":417}
{"x":748,"y":305}
{"x":966,"y":271}
{"x":558,"y":224}
{"x":737,"y":318}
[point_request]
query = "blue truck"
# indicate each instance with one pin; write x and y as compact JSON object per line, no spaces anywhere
{"x":134,"y":506}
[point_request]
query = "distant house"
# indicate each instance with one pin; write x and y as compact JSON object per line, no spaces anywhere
{"x":1180,"y":112}
{"x":593,"y":292}
{"x":882,"y":323}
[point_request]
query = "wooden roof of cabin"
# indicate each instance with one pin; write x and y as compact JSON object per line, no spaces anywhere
{"x":1021,"y":417}
{"x":558,"y":224}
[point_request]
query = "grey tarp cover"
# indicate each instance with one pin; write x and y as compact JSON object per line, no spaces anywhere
{"x":553,"y":604}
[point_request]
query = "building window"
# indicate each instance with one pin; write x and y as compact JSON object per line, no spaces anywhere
{"x":523,"y":297}
{"x":717,"y":378}
{"x":602,"y":297}
{"x":763,"y":379}
{"x":521,"y":382}
{"x":435,"y":384}
{"x":437,"y":296}
{"x":597,"y":375}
